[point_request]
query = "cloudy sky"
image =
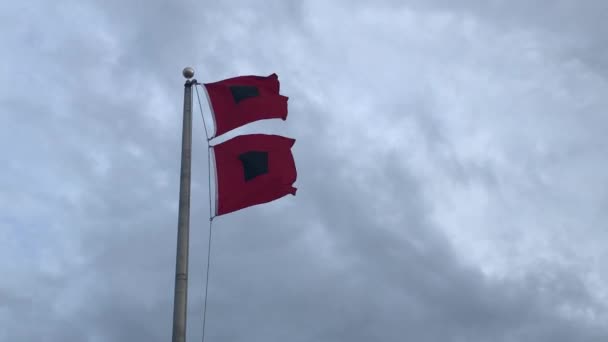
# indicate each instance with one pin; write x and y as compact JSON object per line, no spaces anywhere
{"x":451,"y":162}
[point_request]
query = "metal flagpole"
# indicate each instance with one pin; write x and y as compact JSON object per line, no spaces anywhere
{"x":180,"y":301}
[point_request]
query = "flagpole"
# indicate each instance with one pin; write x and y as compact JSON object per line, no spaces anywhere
{"x":180,"y":301}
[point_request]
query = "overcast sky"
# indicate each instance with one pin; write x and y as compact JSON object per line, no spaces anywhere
{"x":452,"y":170}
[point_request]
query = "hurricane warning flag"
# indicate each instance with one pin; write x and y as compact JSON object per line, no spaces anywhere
{"x":253,"y":169}
{"x":241,"y":100}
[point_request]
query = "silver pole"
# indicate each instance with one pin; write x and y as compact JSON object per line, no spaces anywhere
{"x":180,"y":302}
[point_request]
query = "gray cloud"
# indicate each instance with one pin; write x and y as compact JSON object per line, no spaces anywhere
{"x":449,"y":158}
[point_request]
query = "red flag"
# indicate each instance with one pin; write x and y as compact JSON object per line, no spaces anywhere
{"x":253,"y":169}
{"x":241,"y":100}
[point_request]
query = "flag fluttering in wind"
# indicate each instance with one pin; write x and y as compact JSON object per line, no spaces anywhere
{"x":250,"y":169}
{"x":241,"y":100}
{"x":253,"y":169}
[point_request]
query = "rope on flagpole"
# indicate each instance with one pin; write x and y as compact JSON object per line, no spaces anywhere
{"x":200,"y":106}
{"x":211,"y":216}
{"x":207,"y":278}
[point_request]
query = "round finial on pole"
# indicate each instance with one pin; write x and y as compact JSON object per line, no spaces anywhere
{"x":188,"y":72}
